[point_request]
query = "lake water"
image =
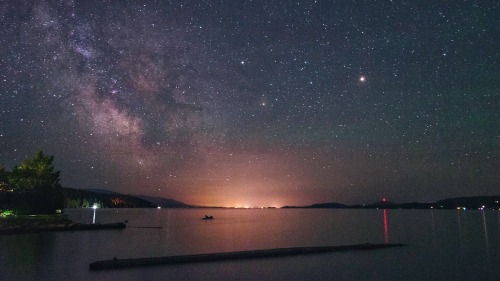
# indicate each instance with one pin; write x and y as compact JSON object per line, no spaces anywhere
{"x":441,"y":245}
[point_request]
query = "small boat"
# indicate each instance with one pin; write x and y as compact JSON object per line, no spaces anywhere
{"x":208,"y":217}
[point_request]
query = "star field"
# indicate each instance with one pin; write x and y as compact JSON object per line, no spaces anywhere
{"x":256,"y":103}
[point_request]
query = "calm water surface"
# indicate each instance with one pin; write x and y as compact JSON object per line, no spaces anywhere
{"x":442,"y":245}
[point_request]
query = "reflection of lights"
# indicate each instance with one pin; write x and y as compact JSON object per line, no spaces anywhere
{"x":95,"y":208}
{"x":485,"y":228}
{"x":386,"y":228}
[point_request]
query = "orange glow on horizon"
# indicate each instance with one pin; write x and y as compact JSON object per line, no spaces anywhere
{"x":225,"y":202}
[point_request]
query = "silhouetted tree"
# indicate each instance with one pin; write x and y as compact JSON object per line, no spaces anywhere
{"x":36,"y":187}
{"x":4,"y":179}
{"x":5,"y":192}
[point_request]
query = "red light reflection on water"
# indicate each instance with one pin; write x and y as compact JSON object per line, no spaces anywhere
{"x":386,"y":228}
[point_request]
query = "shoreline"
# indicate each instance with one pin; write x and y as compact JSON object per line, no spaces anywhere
{"x":48,"y":223}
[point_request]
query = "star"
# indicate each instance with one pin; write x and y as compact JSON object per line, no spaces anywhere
{"x":171,"y":86}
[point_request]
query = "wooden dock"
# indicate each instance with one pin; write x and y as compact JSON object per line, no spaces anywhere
{"x":62,"y":227}
{"x":279,"y":252}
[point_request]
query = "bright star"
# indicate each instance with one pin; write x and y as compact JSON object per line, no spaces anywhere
{"x":362,"y":79}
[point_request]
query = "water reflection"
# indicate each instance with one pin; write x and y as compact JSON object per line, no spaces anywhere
{"x":433,"y":225}
{"x":386,"y":228}
{"x":452,"y":256}
{"x":95,"y":208}
{"x":498,"y":217}
{"x":24,"y":252}
{"x":460,"y":231}
{"x":486,"y":240}
{"x":475,"y":228}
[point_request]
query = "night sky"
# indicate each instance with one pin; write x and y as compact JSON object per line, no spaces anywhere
{"x":256,"y":103}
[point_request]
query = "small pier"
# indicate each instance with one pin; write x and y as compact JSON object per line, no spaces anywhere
{"x":62,"y":227}
{"x":279,"y":252}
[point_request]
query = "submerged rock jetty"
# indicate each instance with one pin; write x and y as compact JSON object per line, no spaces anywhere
{"x":279,"y":252}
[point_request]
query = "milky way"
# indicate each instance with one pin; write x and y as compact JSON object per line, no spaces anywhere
{"x":256,"y":103}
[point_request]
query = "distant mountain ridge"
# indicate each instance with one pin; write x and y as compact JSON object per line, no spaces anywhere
{"x":164,"y":202}
{"x":328,"y":205}
{"x":472,"y":202}
{"x":110,"y":199}
{"x":83,"y":198}
{"x":100,"y":190}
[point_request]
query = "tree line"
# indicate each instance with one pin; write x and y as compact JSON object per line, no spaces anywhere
{"x":32,"y":187}
{"x":78,"y":198}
